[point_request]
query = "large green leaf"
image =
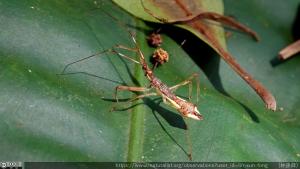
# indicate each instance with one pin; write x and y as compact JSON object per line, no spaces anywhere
{"x":48,"y":117}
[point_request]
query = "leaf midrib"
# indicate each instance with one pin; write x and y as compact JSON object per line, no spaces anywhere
{"x":136,"y":129}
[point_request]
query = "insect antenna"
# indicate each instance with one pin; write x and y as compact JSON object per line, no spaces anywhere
{"x":82,"y":59}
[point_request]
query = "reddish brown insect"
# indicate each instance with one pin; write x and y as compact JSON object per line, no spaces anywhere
{"x":186,"y":108}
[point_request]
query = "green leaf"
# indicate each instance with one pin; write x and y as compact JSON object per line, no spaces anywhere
{"x":50,"y":117}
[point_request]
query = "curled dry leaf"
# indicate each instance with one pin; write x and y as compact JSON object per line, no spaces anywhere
{"x":194,"y":16}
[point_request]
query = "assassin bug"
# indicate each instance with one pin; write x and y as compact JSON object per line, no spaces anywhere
{"x":186,"y":108}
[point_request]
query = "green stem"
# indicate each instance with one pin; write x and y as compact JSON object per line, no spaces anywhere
{"x":135,"y":146}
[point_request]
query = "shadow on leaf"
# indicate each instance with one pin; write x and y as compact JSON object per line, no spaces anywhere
{"x":203,"y":55}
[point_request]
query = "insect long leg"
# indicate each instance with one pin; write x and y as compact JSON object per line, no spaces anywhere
{"x":189,"y":82}
{"x":125,"y":56}
{"x":129,"y":88}
{"x":133,"y":89}
{"x":142,"y":96}
{"x":126,"y":48}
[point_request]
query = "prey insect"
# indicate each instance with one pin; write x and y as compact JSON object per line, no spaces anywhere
{"x":159,"y":57}
{"x":155,"y":39}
